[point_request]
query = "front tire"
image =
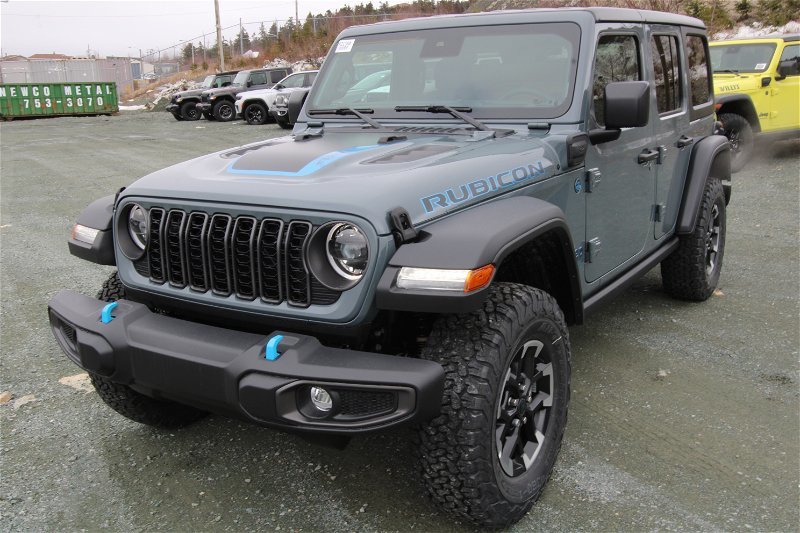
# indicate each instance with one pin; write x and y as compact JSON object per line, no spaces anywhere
{"x":692,"y":271}
{"x":740,"y":136}
{"x":255,"y":114}
{"x":189,"y":111}
{"x":224,"y":111}
{"x":128,"y":402}
{"x":488,"y":455}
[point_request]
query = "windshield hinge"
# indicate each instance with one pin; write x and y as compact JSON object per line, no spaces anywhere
{"x":402,"y":228}
{"x":309,"y":132}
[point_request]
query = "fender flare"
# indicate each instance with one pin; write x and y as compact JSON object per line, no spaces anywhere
{"x":97,"y":215}
{"x":710,"y":157}
{"x":751,"y":115}
{"x":474,"y":238}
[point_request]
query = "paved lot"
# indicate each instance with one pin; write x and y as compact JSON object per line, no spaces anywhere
{"x":684,"y":416}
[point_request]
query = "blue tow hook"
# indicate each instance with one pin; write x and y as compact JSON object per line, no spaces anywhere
{"x":105,"y":314}
{"x":271,"y":351}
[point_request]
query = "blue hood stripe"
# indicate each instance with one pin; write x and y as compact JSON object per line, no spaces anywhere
{"x":311,"y":167}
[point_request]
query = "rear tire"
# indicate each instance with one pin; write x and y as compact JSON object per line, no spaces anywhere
{"x":692,"y":271}
{"x":488,"y":455}
{"x":189,"y":111}
{"x":224,"y":111}
{"x":132,"y":404}
{"x":255,"y":114}
{"x":740,"y":136}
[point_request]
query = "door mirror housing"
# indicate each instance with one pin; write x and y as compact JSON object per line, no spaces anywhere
{"x":296,"y":101}
{"x":626,"y":105}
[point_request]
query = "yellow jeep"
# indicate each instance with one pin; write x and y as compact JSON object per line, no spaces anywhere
{"x":757,"y":90}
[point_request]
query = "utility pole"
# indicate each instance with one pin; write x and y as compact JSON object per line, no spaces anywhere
{"x":241,"y":38}
{"x":296,"y":16}
{"x":220,"y":50}
{"x":193,"y":54}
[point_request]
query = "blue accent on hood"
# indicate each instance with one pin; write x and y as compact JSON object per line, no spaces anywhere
{"x":105,"y":314}
{"x":271,"y":351}
{"x":311,"y":167}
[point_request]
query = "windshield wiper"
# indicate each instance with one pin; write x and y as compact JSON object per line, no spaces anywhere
{"x":457,"y":112}
{"x":348,"y":111}
{"x":729,"y":71}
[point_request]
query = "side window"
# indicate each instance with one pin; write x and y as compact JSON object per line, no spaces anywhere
{"x":310,"y":77}
{"x":294,"y":81}
{"x":699,"y":78}
{"x":617,"y":59}
{"x":258,"y":78}
{"x":792,"y":53}
{"x":277,"y":75}
{"x":666,"y":66}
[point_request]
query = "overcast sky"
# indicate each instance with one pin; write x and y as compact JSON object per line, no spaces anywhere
{"x":112,"y":27}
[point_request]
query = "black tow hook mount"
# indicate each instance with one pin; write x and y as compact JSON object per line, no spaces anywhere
{"x":402,"y":228}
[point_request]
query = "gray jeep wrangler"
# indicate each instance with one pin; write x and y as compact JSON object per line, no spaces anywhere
{"x":417,"y":259}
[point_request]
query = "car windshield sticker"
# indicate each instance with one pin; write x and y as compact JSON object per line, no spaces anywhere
{"x":345,"y":45}
{"x":761,"y":66}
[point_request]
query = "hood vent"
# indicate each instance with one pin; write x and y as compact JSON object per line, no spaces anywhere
{"x":413,"y":154}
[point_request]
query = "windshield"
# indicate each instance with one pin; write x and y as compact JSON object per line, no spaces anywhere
{"x":241,"y":78}
{"x":207,"y":82}
{"x":507,"y":71}
{"x":742,"y":57}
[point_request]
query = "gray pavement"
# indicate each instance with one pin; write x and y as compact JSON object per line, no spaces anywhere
{"x":684,"y":416}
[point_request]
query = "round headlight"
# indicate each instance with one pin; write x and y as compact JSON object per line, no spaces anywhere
{"x":137,"y":226}
{"x":280,"y":100}
{"x":347,"y":250}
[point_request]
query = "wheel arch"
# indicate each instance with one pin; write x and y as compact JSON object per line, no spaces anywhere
{"x":526,"y":239}
{"x":739,"y":104}
{"x":710,"y":157}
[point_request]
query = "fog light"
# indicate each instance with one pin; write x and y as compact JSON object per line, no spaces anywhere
{"x":321,"y":399}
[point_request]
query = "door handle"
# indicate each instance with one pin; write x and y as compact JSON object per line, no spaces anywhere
{"x":647,"y":155}
{"x":684,"y":141}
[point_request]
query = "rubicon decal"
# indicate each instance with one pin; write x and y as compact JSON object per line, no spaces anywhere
{"x":481,"y":186}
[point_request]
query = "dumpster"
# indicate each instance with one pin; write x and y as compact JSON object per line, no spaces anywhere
{"x":18,"y":100}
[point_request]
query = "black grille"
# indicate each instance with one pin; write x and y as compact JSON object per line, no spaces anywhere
{"x":360,"y":403}
{"x":251,"y":258}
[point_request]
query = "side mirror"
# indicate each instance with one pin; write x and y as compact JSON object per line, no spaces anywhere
{"x":296,"y":101}
{"x":278,"y":86}
{"x":790,"y":67}
{"x":249,"y":83}
{"x":627,"y":105}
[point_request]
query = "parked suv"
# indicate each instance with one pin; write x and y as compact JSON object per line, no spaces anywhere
{"x":218,"y":104}
{"x":417,"y":261}
{"x":757,"y":87}
{"x":182,"y":105}
{"x":255,"y":106}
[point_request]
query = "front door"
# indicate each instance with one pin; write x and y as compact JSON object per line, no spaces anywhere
{"x":786,"y":93}
{"x":618,"y":204}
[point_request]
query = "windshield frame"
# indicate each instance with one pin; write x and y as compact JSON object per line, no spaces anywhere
{"x":244,"y":75}
{"x":570,"y":31}
{"x":712,"y":49}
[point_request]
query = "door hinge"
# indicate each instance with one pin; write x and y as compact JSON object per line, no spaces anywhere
{"x":592,"y":250}
{"x":593,"y":176}
{"x":658,"y":212}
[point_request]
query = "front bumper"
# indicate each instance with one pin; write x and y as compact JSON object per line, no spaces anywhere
{"x":225,"y":371}
{"x":278,"y":112}
{"x":175,"y":109}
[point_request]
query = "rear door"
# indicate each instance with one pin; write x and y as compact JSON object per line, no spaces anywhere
{"x":669,"y":115}
{"x":258,"y":79}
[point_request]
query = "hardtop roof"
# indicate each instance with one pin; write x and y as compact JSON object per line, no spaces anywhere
{"x":511,"y":16}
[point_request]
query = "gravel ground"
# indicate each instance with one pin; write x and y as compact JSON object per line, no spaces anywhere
{"x":684,"y":416}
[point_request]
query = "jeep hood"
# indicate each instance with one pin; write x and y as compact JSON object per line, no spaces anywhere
{"x":360,"y":172}
{"x":190,"y":92}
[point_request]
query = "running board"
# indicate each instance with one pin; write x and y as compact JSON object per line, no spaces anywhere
{"x":626,"y":279}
